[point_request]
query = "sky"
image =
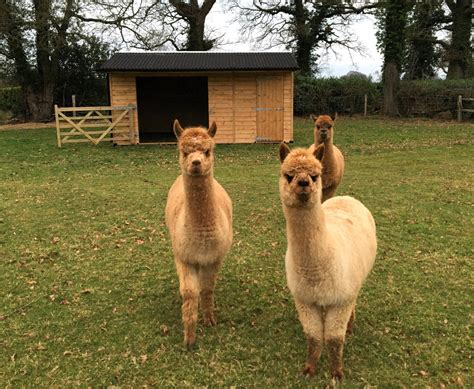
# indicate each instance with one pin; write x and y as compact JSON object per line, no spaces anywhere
{"x":369,"y":63}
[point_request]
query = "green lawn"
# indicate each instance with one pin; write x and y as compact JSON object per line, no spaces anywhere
{"x":89,"y":294}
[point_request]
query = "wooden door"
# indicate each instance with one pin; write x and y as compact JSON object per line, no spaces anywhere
{"x":269,"y":109}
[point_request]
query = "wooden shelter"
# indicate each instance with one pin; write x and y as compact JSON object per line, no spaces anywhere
{"x":249,"y":95}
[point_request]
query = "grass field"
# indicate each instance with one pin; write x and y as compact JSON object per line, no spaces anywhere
{"x":89,"y":294}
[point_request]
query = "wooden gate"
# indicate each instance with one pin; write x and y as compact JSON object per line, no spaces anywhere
{"x":462,"y":108}
{"x":269,"y":109}
{"x":95,"y":124}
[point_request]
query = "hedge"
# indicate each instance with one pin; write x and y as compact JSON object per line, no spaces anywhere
{"x":11,"y":101}
{"x":345,"y":95}
{"x":328,"y":95}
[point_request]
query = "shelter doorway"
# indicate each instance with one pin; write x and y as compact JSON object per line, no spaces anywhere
{"x":161,"y":100}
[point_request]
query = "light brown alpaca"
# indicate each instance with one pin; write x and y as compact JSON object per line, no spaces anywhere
{"x":333,"y":160}
{"x":331,"y":250}
{"x":199,"y":219}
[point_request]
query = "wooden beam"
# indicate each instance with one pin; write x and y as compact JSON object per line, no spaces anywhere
{"x":78,"y":128}
{"x":121,"y":116}
{"x":100,"y":108}
{"x":58,"y":136}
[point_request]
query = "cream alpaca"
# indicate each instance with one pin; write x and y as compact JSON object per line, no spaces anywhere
{"x":333,"y":160}
{"x":199,"y":219}
{"x":331,"y":250}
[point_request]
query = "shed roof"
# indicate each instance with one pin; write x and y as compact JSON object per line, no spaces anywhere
{"x":199,"y":61}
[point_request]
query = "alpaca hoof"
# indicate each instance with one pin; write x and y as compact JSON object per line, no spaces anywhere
{"x":189,"y":345}
{"x":210,"y":321}
{"x":309,"y":370}
{"x":337,"y":374}
{"x":189,"y":342}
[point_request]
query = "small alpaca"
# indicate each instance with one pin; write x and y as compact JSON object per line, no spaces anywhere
{"x":333,"y":160}
{"x":331,"y":250}
{"x":199,"y":219}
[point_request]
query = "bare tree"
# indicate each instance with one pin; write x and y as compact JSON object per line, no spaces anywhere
{"x":34,"y":35}
{"x":302,"y":26}
{"x":48,"y":22}
{"x":423,"y":52}
{"x":154,"y":24}
{"x":195,"y":17}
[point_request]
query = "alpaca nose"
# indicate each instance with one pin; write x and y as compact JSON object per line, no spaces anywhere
{"x":196,"y":162}
{"x":303,"y":183}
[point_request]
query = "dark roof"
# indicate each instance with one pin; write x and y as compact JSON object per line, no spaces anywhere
{"x":199,"y":61}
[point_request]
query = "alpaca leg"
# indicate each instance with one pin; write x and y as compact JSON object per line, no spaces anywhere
{"x":335,"y":327}
{"x":207,"y":280}
{"x":350,"y":324}
{"x":311,"y":318}
{"x":189,"y":289}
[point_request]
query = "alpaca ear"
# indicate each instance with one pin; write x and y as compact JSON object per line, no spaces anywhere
{"x":284,"y":151}
{"x":212,"y":130}
{"x":319,"y":152}
{"x":178,"y":130}
{"x":313,"y":116}
{"x":334,"y":116}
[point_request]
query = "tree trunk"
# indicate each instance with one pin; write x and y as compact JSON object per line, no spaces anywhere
{"x":460,"y":51}
{"x":394,"y":46}
{"x":195,"y":17}
{"x":40,"y":102}
{"x":196,"y":41}
{"x":391,"y":80}
{"x":304,"y":57}
{"x":304,"y":41}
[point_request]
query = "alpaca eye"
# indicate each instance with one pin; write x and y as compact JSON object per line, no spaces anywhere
{"x":208,"y":153}
{"x":314,"y":178}
{"x":185,"y":154}
{"x":289,"y":178}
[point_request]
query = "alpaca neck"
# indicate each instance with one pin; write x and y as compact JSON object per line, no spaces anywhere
{"x":199,"y":199}
{"x":328,"y":147}
{"x":307,"y":236}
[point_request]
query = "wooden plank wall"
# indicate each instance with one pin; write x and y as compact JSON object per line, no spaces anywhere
{"x":232,"y":101}
{"x":288,"y":106}
{"x":123,"y":92}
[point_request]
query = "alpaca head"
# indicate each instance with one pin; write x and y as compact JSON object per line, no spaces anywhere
{"x":196,"y":145}
{"x":323,"y":128}
{"x":300,"y":178}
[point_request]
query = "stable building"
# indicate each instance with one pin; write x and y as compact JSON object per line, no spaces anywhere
{"x":249,"y":95}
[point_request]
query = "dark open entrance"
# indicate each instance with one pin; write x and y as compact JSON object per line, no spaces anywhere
{"x":160,"y":100}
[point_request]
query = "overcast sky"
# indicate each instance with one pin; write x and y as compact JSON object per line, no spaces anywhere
{"x":369,"y":64}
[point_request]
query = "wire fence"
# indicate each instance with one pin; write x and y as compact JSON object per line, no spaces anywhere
{"x":439,"y":106}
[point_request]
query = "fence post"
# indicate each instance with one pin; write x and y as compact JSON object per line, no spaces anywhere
{"x":365,"y":105}
{"x":58,"y":135}
{"x":131,"y":118}
{"x":73,"y":98}
{"x":460,"y":108}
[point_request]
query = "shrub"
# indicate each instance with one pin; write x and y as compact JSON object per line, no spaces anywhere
{"x":328,"y":95}
{"x":345,"y":95}
{"x":431,"y":97}
{"x":11,"y":100}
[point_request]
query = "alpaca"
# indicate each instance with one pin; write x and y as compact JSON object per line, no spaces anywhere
{"x":331,"y":250}
{"x":333,"y":160}
{"x":199,"y":219}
